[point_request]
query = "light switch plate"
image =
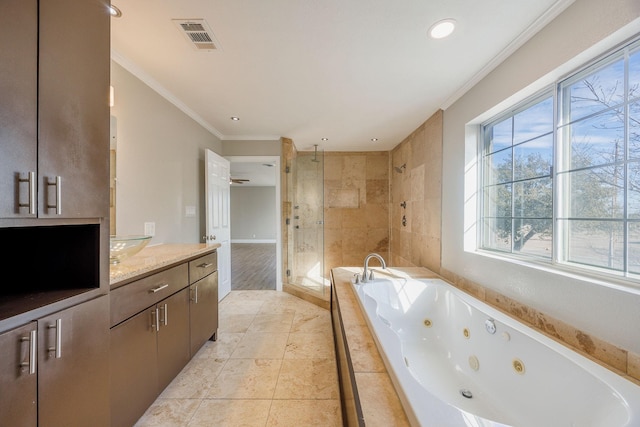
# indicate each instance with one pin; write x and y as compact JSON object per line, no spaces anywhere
{"x":149,"y":228}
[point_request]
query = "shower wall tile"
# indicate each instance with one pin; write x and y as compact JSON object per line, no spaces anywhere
{"x":416,"y":229}
{"x":356,"y":207}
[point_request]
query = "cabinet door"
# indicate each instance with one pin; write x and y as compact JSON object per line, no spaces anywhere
{"x":203,"y":310}
{"x":73,"y":366}
{"x":18,"y":84}
{"x":18,"y":381}
{"x":73,"y":109}
{"x":134,"y":372}
{"x":173,"y":336}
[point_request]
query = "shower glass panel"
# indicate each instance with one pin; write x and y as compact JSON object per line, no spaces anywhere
{"x":306,"y":225}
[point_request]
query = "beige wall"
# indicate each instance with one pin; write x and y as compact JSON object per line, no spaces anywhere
{"x":159,"y":162}
{"x":419,"y":186}
{"x":356,"y":207}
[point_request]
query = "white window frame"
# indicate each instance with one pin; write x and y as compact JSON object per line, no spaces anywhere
{"x":558,"y":260}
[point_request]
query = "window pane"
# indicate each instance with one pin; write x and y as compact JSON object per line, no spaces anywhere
{"x":598,"y":140}
{"x":533,"y":237}
{"x":497,"y":201}
{"x":533,"y":158}
{"x":499,"y":168}
{"x":633,"y":191}
{"x":497,"y":234}
{"x":534,"y":121}
{"x":599,"y":90}
{"x":500,"y":136}
{"x":533,"y":198}
{"x":596,"y":243}
{"x":634,"y":248}
{"x":634,"y":130}
{"x":634,"y":74}
{"x":597,"y":192}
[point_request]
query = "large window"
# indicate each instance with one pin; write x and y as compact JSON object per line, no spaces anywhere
{"x":561,"y":171}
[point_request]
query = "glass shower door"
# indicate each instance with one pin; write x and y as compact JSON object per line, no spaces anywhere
{"x":306,"y":248}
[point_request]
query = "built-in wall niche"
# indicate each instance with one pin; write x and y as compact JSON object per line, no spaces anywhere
{"x":47,"y":264}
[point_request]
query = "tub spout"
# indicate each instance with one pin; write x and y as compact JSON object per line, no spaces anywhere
{"x":366,"y":277}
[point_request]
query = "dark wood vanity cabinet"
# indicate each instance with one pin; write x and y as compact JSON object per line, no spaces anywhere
{"x":54,"y":371}
{"x":54,"y":114}
{"x":203,"y":306}
{"x":149,"y":340}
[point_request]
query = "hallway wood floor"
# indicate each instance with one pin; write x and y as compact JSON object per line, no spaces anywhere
{"x":253,"y":266}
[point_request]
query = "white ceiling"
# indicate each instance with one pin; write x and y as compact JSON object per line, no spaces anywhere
{"x":346,"y":70}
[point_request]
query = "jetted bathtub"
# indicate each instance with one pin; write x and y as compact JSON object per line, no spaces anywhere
{"x":456,"y":361}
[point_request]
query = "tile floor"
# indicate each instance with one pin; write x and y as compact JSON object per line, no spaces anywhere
{"x":272,"y":365}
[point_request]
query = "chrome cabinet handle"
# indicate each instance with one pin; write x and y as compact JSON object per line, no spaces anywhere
{"x":58,"y":184}
{"x":31,"y":204}
{"x":58,"y":347}
{"x":31,"y":364}
{"x":195,"y":294}
{"x":205,"y":265}
{"x":159,"y":288}
{"x":165,"y":315}
{"x":155,"y":316}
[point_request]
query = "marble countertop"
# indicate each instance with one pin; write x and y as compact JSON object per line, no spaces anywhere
{"x":155,"y":257}
{"x":378,"y":398}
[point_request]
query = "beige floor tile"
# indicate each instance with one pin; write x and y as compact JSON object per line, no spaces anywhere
{"x":169,"y":413}
{"x":246,"y":379}
{"x":195,"y":379}
{"x":239,"y":306}
{"x":319,"y":321}
{"x":279,"y":322}
{"x":307,"y":413}
{"x":309,"y":346}
{"x":221,"y":348}
{"x":231,"y":413}
{"x":235,"y":323}
{"x":259,"y":345}
{"x":307,"y":379}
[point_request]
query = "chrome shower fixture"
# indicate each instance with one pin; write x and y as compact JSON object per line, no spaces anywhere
{"x":400,"y":169}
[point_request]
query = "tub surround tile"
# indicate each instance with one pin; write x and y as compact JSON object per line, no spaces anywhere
{"x":380,"y":401}
{"x":633,"y":366}
{"x":362,"y":348}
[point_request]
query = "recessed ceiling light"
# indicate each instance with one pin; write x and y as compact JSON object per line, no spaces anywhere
{"x":374,"y":139}
{"x":324,"y":139}
{"x":234,"y":118}
{"x":115,"y":12}
{"x":442,"y":29}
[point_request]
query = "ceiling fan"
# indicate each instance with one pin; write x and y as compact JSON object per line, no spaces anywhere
{"x":238,"y":181}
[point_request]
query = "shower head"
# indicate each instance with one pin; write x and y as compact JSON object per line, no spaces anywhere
{"x":400,"y":169}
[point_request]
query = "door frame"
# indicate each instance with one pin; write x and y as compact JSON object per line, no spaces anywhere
{"x":276,"y":160}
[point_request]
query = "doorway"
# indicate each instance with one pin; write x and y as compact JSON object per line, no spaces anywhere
{"x":255,"y":223}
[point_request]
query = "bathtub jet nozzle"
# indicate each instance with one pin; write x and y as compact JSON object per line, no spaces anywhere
{"x":368,"y":275}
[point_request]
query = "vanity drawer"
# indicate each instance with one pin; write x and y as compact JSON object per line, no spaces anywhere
{"x":203,"y":266}
{"x":130,"y":299}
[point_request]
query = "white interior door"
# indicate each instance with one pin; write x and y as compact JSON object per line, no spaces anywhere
{"x":218,"y":225}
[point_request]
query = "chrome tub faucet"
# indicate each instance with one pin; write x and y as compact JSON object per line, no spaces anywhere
{"x":368,"y":275}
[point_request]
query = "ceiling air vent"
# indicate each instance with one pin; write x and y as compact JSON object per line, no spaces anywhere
{"x":198,"y":33}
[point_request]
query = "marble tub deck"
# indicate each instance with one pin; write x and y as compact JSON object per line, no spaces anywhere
{"x":272,"y":365}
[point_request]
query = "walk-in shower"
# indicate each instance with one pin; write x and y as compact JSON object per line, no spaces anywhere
{"x":305,"y":224}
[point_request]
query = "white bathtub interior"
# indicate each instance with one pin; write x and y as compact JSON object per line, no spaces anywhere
{"x":450,"y":370}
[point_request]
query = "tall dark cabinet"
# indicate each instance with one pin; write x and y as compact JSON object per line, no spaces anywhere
{"x":54,"y":212}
